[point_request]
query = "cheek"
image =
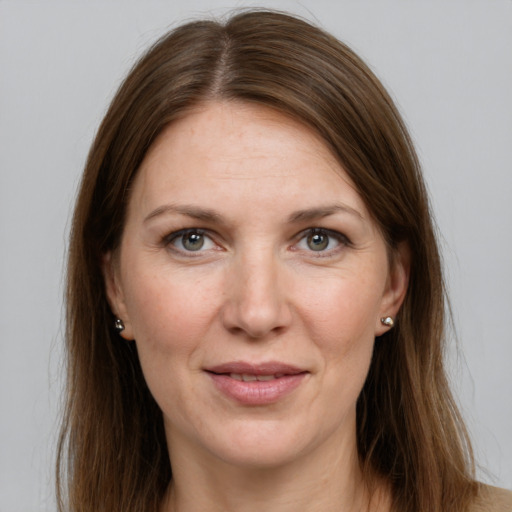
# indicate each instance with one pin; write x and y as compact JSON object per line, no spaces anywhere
{"x":171,"y":315}
{"x":170,"y":311}
{"x":341,"y":311}
{"x":340,"y":318}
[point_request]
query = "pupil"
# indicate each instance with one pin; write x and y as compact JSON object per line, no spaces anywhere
{"x":318,"y":241}
{"x":193,"y":241}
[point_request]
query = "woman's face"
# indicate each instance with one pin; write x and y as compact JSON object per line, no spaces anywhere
{"x":253,"y":280}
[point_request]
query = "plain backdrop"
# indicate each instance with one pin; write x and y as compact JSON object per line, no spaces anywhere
{"x":448,"y":64}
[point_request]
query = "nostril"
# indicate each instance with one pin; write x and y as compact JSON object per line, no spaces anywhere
{"x":256,"y":303}
{"x":256,"y":329}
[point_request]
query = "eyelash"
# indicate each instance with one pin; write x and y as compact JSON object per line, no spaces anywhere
{"x":341,"y":239}
{"x":169,"y":240}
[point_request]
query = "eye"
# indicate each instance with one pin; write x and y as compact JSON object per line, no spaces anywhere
{"x":190,"y":240}
{"x":318,"y":241}
{"x":321,"y":240}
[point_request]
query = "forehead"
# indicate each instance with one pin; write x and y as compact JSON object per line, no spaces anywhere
{"x":224,"y":152}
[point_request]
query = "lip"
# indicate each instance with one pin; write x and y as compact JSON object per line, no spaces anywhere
{"x":264,"y":368}
{"x":288,"y":378}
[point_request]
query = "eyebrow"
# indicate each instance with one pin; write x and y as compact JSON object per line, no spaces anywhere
{"x":324,"y":211}
{"x":204,"y":214}
{"x":208,"y":215}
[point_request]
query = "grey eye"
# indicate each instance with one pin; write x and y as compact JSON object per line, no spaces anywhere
{"x":322,"y":241}
{"x":192,"y":241}
{"x":187,"y":241}
{"x":318,"y":241}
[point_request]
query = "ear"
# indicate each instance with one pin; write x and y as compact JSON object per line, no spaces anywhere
{"x":115,"y":296}
{"x":396,"y":287}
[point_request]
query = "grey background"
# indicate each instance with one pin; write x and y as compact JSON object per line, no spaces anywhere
{"x":447,"y":63}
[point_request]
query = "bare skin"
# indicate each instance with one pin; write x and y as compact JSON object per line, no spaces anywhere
{"x":337,"y":489}
{"x":254,"y":280}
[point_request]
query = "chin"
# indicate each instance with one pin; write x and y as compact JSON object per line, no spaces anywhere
{"x":260,"y":444}
{"x":259,"y":455}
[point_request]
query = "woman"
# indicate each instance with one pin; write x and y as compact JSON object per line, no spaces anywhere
{"x":255,"y":298}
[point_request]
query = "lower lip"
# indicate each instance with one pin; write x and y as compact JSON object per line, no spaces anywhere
{"x":257,"y":392}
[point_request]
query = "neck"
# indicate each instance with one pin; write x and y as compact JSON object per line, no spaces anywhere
{"x":325,"y":480}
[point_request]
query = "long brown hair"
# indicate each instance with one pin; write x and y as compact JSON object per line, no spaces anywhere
{"x":112,"y":452}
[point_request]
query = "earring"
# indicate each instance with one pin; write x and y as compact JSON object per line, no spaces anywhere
{"x":387,"y":321}
{"x":119,"y":325}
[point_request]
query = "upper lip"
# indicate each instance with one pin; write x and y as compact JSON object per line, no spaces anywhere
{"x":265,"y":368}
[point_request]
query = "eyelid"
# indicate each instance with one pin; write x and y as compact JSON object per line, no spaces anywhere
{"x":341,"y":238}
{"x":167,"y":241}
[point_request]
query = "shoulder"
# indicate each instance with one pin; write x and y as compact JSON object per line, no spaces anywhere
{"x":492,"y":499}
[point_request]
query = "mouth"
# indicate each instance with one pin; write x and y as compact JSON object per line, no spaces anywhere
{"x":256,"y":384}
{"x":265,"y":369}
{"x":247,"y":377}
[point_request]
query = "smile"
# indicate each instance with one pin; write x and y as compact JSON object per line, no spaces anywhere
{"x":263,"y":384}
{"x":246,"y":377}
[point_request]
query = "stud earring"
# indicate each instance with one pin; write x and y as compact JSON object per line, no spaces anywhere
{"x":119,"y":325}
{"x":387,"y":321}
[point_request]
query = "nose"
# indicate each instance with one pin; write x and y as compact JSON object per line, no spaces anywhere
{"x":256,"y":303}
